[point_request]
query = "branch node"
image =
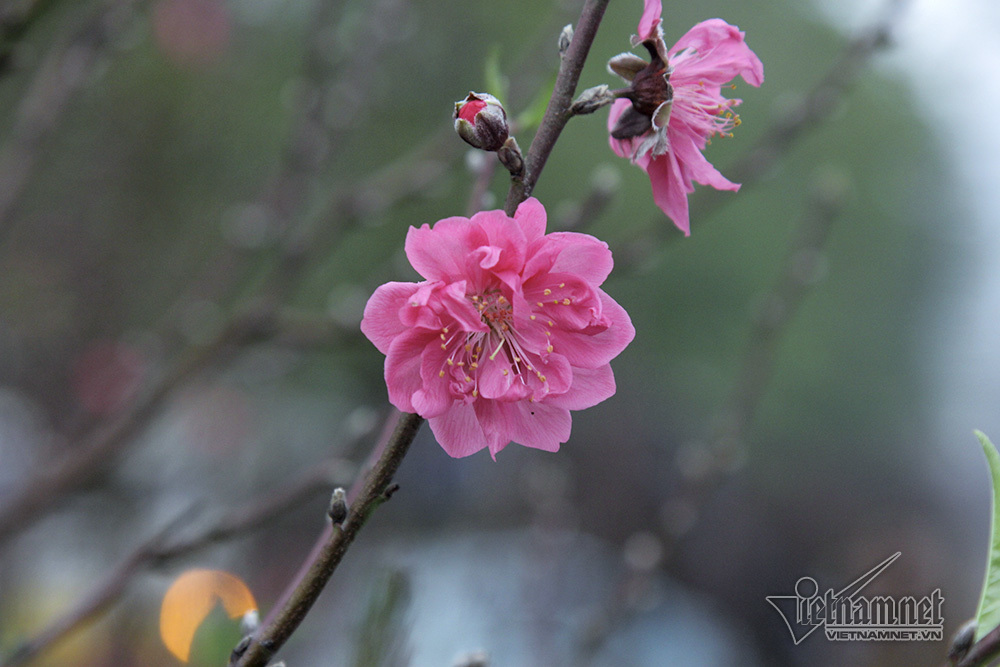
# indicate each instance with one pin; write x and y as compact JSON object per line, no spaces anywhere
{"x":565,"y":39}
{"x":337,"y":511}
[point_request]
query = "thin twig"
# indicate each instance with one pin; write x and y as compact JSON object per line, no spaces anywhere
{"x":983,"y":652}
{"x":557,"y":113}
{"x":48,"y":486}
{"x":65,"y":70}
{"x":94,"y":451}
{"x":160,"y":549}
{"x":272,"y":635}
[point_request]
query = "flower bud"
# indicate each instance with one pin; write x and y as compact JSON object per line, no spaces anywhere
{"x":481,"y":121}
{"x":511,"y":158}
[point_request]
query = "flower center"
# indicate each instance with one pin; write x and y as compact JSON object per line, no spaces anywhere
{"x":495,"y":310}
{"x":471,"y":354}
{"x":706,"y":111}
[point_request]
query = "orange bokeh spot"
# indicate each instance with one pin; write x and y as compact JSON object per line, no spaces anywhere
{"x":190,"y":599}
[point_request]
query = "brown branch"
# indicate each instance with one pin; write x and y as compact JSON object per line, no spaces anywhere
{"x":161,"y":549}
{"x":274,"y":633}
{"x":983,"y":652}
{"x":557,"y":113}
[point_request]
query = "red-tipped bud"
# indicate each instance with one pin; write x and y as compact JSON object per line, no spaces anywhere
{"x":481,"y":121}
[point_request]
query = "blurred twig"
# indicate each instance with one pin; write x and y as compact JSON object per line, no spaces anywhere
{"x":16,"y":18}
{"x":603,"y":186}
{"x":162,"y":548}
{"x":276,"y":631}
{"x":725,"y":449}
{"x":81,"y":460}
{"x":823,"y":100}
{"x":66,"y":68}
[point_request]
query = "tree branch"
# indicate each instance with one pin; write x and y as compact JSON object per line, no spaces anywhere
{"x":161,"y":549}
{"x":557,"y":113}
{"x":274,"y":633}
{"x":983,"y":652}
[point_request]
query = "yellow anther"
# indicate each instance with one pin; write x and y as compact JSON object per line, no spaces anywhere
{"x":551,"y":323}
{"x":473,"y":365}
{"x":441,"y":373}
{"x":443,"y":346}
{"x":540,"y":304}
{"x":505,"y":372}
{"x":468,"y":379}
{"x":566,"y":301}
{"x":450,"y":362}
{"x":549,"y":348}
{"x":475,"y":393}
{"x":561,"y":285}
{"x":532,"y":318}
{"x":548,"y":333}
{"x":547,"y":291}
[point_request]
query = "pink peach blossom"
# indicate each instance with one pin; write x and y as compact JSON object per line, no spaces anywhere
{"x":674,"y":105}
{"x":508,"y":332}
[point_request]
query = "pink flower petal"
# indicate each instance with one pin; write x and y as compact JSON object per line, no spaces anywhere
{"x":496,"y":376}
{"x":569,"y":301}
{"x":458,"y":431}
{"x":590,"y":387}
{"x":697,"y":167}
{"x":650,"y":20}
{"x":496,"y":345}
{"x":537,"y":425}
{"x":530,"y":215}
{"x":571,"y":252}
{"x":402,"y":368}
{"x":592,"y":350}
{"x":381,"y":320}
{"x":720,"y":54}
{"x":669,"y":190}
{"x":439,"y":253}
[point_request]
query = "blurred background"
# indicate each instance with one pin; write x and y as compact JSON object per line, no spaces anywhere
{"x":197,"y":197}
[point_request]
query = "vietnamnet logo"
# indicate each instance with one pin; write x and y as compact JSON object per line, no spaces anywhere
{"x":846,"y":615}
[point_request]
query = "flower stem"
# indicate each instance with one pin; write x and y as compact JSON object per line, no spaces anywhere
{"x":557,"y":113}
{"x":276,"y":632}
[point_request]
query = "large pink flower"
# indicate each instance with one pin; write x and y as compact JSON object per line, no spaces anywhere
{"x":507,"y":334}
{"x":674,"y":105}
